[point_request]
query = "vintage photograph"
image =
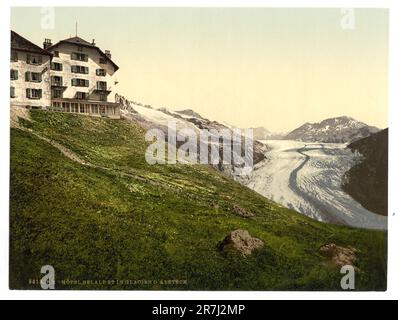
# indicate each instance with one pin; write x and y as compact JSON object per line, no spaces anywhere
{"x":219,"y":149}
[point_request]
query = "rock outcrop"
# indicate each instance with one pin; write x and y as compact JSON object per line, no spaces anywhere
{"x":242,"y":212}
{"x":367,"y":181}
{"x":241,"y":242}
{"x":339,"y":256}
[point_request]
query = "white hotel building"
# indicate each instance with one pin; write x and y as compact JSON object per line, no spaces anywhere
{"x":72,"y":75}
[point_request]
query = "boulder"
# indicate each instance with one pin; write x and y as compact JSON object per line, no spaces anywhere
{"x":242,"y":212}
{"x":339,"y":256}
{"x":240,"y":241}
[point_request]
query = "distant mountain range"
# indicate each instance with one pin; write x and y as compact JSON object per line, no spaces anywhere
{"x":338,"y":130}
{"x":150,"y":117}
{"x":260,"y":133}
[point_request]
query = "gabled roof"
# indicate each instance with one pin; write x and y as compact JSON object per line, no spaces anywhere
{"x":78,"y":41}
{"x":20,"y":43}
{"x":81,"y":42}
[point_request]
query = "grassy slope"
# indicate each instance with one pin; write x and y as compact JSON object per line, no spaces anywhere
{"x":164,"y":222}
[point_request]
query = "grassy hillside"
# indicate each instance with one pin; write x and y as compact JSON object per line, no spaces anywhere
{"x":124,"y":219}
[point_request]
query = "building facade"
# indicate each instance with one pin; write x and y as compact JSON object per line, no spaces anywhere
{"x":29,"y":74}
{"x":78,"y":78}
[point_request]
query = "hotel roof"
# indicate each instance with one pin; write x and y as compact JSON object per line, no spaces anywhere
{"x":81,"y":42}
{"x":20,"y":43}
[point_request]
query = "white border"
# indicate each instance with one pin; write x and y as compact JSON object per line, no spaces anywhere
{"x":5,"y":293}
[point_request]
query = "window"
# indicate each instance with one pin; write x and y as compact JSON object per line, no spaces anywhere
{"x":80,"y":83}
{"x":79,"y":56}
{"x":100,"y":72}
{"x":56,"y":105}
{"x":79,"y":69}
{"x":103,"y":61}
{"x":56,"y":54}
{"x":81,"y":95}
{"x":101,"y":85}
{"x":34,"y":59}
{"x":14,"y":74}
{"x":74,"y":107}
{"x":66,"y":106}
{"x":56,"y":81}
{"x":103,"y":97}
{"x":56,"y":66}
{"x":14,"y":56}
{"x":33,"y":93}
{"x":32,"y":76}
{"x":56,"y":93}
{"x":12,"y":92}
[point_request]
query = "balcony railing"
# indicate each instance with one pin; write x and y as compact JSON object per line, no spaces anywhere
{"x":57,"y":83}
{"x":102,"y":87}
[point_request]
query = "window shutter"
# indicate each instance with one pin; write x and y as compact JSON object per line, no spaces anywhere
{"x":40,"y":59}
{"x":86,"y":70}
{"x":73,"y":82}
{"x":86,"y":83}
{"x":13,"y":74}
{"x":72,"y":56}
{"x":40,"y":77}
{"x":27,"y":76}
{"x":14,"y":56}
{"x":86,"y":57}
{"x":28,"y":58}
{"x":27,"y":93}
{"x":73,"y":69}
{"x":40,"y":91}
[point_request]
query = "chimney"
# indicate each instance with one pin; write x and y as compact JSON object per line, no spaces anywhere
{"x":47,"y":43}
{"x":108,"y":54}
{"x":93,"y":42}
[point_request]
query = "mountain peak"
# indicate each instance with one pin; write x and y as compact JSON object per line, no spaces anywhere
{"x":190,"y":113}
{"x":338,"y":129}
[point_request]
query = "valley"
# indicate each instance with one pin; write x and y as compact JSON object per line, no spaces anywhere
{"x":307,"y":177}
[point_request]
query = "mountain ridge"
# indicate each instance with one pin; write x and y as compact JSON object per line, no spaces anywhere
{"x":340,"y":129}
{"x":367,"y":181}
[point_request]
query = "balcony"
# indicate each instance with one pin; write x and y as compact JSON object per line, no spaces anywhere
{"x":81,"y":95}
{"x":58,"y":83}
{"x":102,"y":88}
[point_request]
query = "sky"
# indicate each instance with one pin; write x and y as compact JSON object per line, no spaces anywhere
{"x":249,"y":67}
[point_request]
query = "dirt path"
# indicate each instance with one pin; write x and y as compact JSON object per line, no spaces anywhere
{"x":24,"y":113}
